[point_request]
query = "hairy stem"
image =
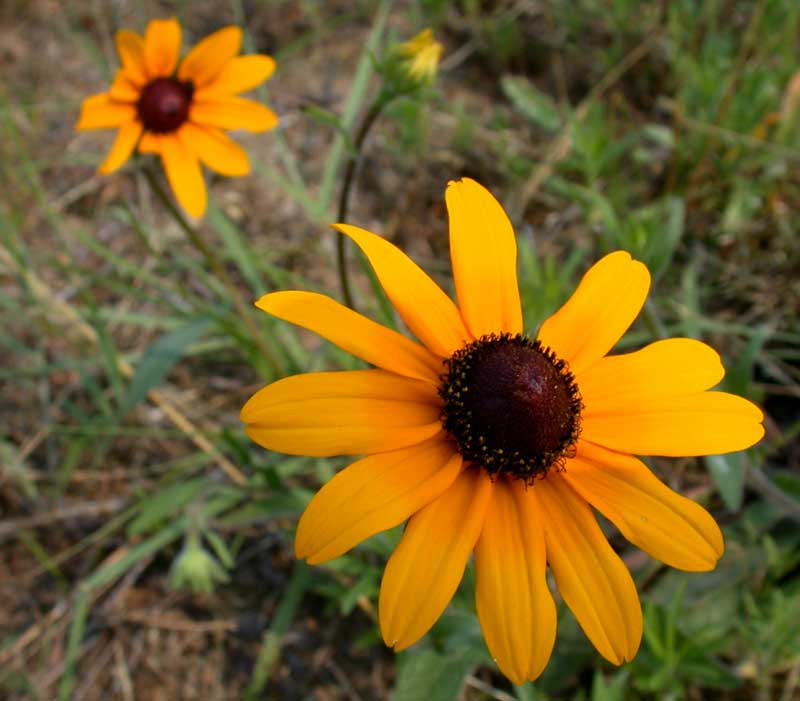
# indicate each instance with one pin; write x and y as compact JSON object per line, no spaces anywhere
{"x":219,"y":269}
{"x":344,"y":198}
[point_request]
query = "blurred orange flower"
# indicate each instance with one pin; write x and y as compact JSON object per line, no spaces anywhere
{"x":181,"y":109}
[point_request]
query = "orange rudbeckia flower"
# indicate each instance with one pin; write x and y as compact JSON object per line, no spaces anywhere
{"x":181,"y":109}
{"x":494,"y":442}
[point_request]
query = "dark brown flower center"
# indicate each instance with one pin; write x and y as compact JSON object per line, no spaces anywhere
{"x":511,"y":405}
{"x":164,"y":104}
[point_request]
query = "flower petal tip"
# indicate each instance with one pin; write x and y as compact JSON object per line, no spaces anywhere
{"x":465,"y":182}
{"x":264,"y":302}
{"x":399,"y":645}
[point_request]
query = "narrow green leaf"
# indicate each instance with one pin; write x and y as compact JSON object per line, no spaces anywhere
{"x":355,"y":98}
{"x":220,"y":548}
{"x":158,"y":506}
{"x":664,"y":239}
{"x":531,"y":102}
{"x":158,"y":360}
{"x":273,"y":638}
{"x":237,"y":249}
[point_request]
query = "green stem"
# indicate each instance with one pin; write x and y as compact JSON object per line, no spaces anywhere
{"x":218,"y":268}
{"x":344,"y":198}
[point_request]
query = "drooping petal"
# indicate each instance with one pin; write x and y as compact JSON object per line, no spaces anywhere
{"x":354,"y":333}
{"x":184,"y":175}
{"x":424,"y":571}
{"x":342,"y":413}
{"x":649,"y":514}
{"x":204,"y":62}
{"x":130,"y":47}
{"x":127,"y":136}
{"x":239,"y":74}
{"x":123,"y":89}
{"x":215,"y":149}
{"x":483,"y":252}
{"x":671,"y":367}
{"x":373,"y":494}
{"x":592,"y":579}
{"x":515,"y":607}
{"x":101,"y":112}
{"x":706,"y":423}
{"x":608,"y":299}
{"x":426,"y":309}
{"x":162,"y":45}
{"x":232,"y":113}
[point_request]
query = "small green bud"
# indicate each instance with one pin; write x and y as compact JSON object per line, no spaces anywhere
{"x":196,"y":569}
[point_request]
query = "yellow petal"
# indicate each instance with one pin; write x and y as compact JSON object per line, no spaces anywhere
{"x":426,"y":309}
{"x":707,"y":423}
{"x":150,"y":143}
{"x":483,"y":252}
{"x":599,"y":312}
{"x":215,"y":149}
{"x":424,"y":571}
{"x":204,"y":62}
{"x":354,"y":333}
{"x":127,"y":136}
{"x":232,"y":113}
{"x":649,"y":514}
{"x":515,"y":607}
{"x":373,"y":494}
{"x":239,"y":74}
{"x":123,"y":89}
{"x":184,"y":175}
{"x":664,"y":368}
{"x":162,"y":45}
{"x":342,"y":413}
{"x":130,"y":48}
{"x":100,"y":112}
{"x":592,"y":579}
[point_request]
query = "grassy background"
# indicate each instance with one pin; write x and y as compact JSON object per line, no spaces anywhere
{"x":671,"y":129}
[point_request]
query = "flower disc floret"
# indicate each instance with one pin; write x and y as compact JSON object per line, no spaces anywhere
{"x":164,"y":104}
{"x":511,"y":405}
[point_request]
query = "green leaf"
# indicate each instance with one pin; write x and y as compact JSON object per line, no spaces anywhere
{"x":359,"y":90}
{"x":426,"y":674}
{"x":532,"y":102}
{"x":14,"y":467}
{"x":160,"y":505}
{"x":329,"y":119}
{"x":272,"y":641}
{"x":667,"y":232}
{"x":739,"y":374}
{"x":366,"y":585}
{"x":611,"y":691}
{"x":220,"y":548}
{"x":728,"y":474}
{"x":237,"y":248}
{"x":789,"y":482}
{"x":159,"y":359}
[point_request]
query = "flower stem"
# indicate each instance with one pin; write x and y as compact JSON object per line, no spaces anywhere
{"x":344,"y":198}
{"x":219,"y":269}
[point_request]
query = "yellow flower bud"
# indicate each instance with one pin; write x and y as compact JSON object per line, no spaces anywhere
{"x":422,"y":54}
